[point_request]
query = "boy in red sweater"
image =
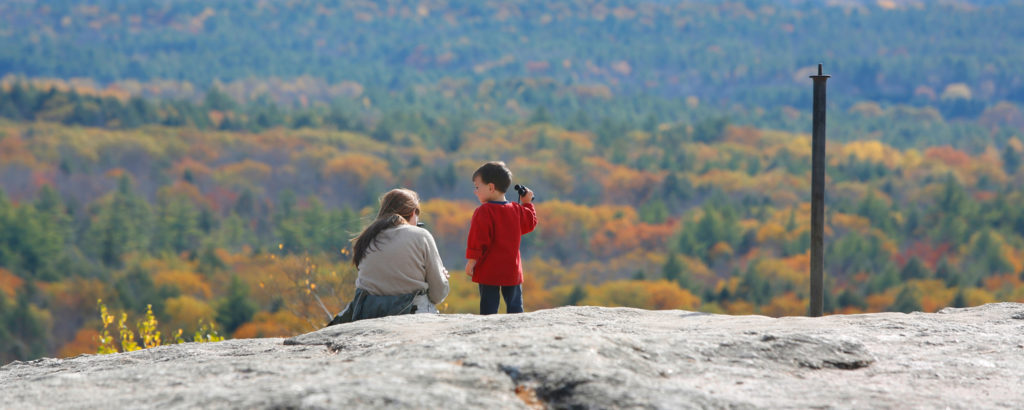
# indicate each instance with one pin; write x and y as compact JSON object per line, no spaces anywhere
{"x":494,"y":235}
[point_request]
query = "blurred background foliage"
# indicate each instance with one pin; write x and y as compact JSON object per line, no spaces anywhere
{"x":212,"y":159}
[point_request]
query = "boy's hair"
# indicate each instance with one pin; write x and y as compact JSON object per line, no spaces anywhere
{"x":495,"y":172}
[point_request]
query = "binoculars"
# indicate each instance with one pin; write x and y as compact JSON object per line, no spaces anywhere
{"x":521,"y":189}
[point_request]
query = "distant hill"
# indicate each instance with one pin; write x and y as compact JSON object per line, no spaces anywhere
{"x":959,"y":55}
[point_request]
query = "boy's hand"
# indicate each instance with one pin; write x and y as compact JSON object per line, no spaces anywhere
{"x":469,"y":267}
{"x":528,"y":198}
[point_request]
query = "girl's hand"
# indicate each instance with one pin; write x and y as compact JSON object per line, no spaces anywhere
{"x":469,"y":267}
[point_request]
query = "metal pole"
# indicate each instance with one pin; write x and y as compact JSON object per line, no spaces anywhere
{"x":818,"y":195}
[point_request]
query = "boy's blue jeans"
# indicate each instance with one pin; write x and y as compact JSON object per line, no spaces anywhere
{"x":490,"y":297}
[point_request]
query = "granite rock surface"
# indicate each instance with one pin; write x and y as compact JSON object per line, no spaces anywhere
{"x":571,"y":357}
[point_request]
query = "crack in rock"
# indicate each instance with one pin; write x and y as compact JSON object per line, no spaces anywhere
{"x":553,"y":390}
{"x":801,"y":350}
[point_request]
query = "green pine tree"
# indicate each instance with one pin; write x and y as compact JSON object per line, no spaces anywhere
{"x":960,"y":300}
{"x":576,"y":296}
{"x":914,"y":269}
{"x":121,"y":226}
{"x":236,"y":309}
{"x":672,"y":271}
{"x":906,"y":301}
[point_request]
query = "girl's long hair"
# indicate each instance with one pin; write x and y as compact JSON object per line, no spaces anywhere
{"x":396,"y":208}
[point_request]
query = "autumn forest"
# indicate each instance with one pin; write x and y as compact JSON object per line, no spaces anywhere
{"x":225,"y":197}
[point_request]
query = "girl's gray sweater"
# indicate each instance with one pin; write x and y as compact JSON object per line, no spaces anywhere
{"x":405,"y":260}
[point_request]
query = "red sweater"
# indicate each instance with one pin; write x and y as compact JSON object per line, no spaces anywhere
{"x":494,"y":236}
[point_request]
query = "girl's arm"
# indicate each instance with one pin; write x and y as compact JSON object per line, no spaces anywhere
{"x":437,"y":275}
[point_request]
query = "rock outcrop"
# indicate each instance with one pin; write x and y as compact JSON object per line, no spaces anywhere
{"x":572,"y":357}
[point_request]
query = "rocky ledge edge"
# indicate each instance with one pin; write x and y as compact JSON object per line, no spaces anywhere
{"x":570,"y":357}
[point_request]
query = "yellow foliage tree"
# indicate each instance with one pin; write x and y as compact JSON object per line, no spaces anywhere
{"x":186,"y":311}
{"x":660,"y":294}
{"x":358,"y":168}
{"x":978,"y":297}
{"x":186,"y":282}
{"x":934,"y":294}
{"x":786,"y":304}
